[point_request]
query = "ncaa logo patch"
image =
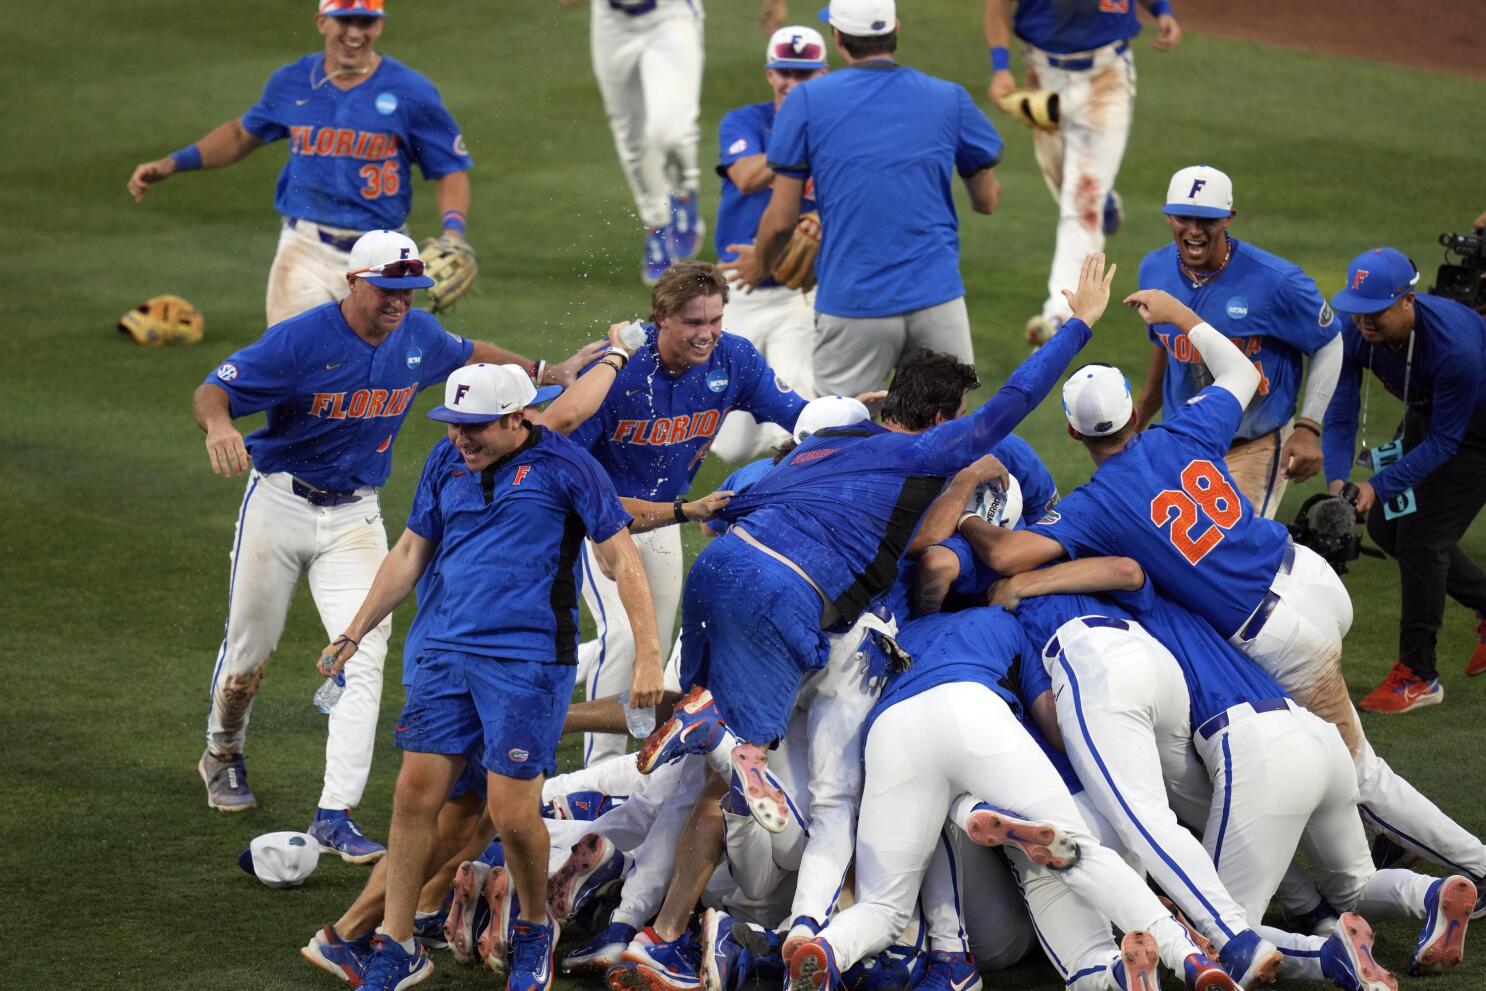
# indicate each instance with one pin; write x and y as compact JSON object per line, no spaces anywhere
{"x":386,"y":103}
{"x":226,"y":371}
{"x":717,"y":379}
{"x":518,"y":755}
{"x":415,"y":357}
{"x":1238,"y":308}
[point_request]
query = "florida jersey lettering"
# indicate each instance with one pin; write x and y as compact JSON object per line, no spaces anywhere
{"x":342,"y":142}
{"x":1179,"y":347}
{"x":363,"y":404}
{"x":666,"y":429}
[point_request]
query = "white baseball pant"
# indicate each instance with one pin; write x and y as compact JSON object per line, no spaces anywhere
{"x":922,"y":753}
{"x":971,"y":903}
{"x":280,"y":537}
{"x":609,"y":672}
{"x":1081,"y":159}
{"x":763,"y":865}
{"x":649,"y":71}
{"x":306,"y":271}
{"x":1256,"y":470}
{"x":779,"y":322}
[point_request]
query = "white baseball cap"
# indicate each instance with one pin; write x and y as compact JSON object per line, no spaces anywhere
{"x":481,"y":393}
{"x":796,"y":47}
{"x":281,"y":860}
{"x":861,"y":18}
{"x":388,"y":260}
{"x":1199,"y":191}
{"x":829,"y":411}
{"x":1096,"y":399}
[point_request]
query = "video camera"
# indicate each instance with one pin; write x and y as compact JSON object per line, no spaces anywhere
{"x":1462,"y":282}
{"x":1327,"y":524}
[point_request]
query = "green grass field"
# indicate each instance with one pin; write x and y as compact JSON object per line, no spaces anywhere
{"x":113,"y":552}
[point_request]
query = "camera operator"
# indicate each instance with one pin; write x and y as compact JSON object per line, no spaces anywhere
{"x":1431,"y":353}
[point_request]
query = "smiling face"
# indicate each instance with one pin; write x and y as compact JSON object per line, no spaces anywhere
{"x":688,"y":336}
{"x":1390,"y":327}
{"x":349,"y":42}
{"x":1199,"y":240}
{"x":782,"y":81}
{"x":374,"y":313}
{"x":483,"y":444}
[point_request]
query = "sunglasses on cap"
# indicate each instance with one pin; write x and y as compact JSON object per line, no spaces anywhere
{"x":809,"y":51}
{"x":371,"y":6}
{"x":394,"y":270}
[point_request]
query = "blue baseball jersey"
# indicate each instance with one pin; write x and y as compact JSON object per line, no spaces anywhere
{"x":351,"y":152}
{"x":1267,"y":307}
{"x":741,"y":481}
{"x":882,"y":143}
{"x":509,"y":541}
{"x":1064,"y":26}
{"x":335,"y":403}
{"x":744,"y":132}
{"x":1168,"y":501}
{"x":655,"y":426}
{"x":843,"y":506}
{"x":1446,"y":381}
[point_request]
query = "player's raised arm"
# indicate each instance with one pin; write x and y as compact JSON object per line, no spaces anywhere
{"x":224,"y":444}
{"x":621,"y":558}
{"x":1231,"y":369}
{"x":226,"y":143}
{"x":938,"y":522}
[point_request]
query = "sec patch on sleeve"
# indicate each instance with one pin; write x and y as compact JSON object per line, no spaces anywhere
{"x":738,"y":147}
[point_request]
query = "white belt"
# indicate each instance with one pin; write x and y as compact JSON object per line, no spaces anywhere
{"x":828,"y":612}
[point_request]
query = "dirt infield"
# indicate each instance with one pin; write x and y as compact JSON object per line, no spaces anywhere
{"x":1441,"y":35}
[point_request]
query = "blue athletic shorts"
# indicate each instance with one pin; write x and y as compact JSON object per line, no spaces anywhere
{"x":511,"y":712}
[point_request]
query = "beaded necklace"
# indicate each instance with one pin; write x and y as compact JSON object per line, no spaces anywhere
{"x":1199,"y":280}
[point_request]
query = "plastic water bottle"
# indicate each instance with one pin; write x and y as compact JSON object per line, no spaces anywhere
{"x":633,"y":335}
{"x":641,"y":722}
{"x":329,"y":693}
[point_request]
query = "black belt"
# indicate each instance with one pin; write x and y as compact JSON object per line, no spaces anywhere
{"x":1082,"y":62}
{"x":1260,"y":616}
{"x":319,"y":497}
{"x":338,"y":243}
{"x":1220,"y":722}
{"x":1054,"y":648}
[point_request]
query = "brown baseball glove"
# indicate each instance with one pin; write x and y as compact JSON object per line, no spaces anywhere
{"x":796,"y":267}
{"x":451,"y":263}
{"x":162,"y":320}
{"x":1038,"y":107}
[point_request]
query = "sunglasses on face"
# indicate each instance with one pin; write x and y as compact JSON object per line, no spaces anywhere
{"x":394,"y":270}
{"x":367,"y":5}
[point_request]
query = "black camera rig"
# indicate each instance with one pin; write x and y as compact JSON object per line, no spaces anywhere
{"x":1463,"y":282}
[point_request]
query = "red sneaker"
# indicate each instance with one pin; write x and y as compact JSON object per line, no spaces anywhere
{"x":1401,"y":691}
{"x":1477,"y":664}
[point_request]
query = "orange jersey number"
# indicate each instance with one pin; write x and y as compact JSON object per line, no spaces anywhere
{"x":381,"y":180}
{"x":1204,"y":488}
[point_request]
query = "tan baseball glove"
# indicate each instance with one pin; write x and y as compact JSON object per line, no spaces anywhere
{"x":1038,"y":107}
{"x":162,"y":320}
{"x":796,"y":267}
{"x":451,"y":263}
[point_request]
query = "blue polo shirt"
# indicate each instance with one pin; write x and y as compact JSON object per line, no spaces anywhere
{"x":743,"y":133}
{"x":508,"y":546}
{"x":882,"y":143}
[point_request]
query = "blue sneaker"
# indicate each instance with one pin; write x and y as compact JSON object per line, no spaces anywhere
{"x":1137,"y":967}
{"x":886,"y":971}
{"x":1114,"y":213}
{"x":1319,"y":921}
{"x":532,"y":946}
{"x":344,"y":958}
{"x":687,"y":226}
{"x":759,"y":791}
{"x":461,"y":926}
{"x":601,"y":952}
{"x":338,"y":833}
{"x":657,"y":256}
{"x":584,"y":806}
{"x":1389,"y":853}
{"x":726,"y":963}
{"x":494,"y":855}
{"x":660,"y":965}
{"x":1041,"y":842}
{"x":503,"y":905}
{"x":428,"y":927}
{"x":813,"y":967}
{"x":1447,"y":912}
{"x":391,"y":968}
{"x":1250,"y":959}
{"x":594,"y":865}
{"x":226,"y":780}
{"x":950,"y":972}
{"x":1347,"y":961}
{"x":1203,"y":974}
{"x":695,"y":727}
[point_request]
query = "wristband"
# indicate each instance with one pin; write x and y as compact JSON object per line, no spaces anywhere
{"x":188,"y":159}
{"x":454,"y":221}
{"x":1301,"y":425}
{"x":677,"y":511}
{"x":1161,"y":8}
{"x":539,"y":369}
{"x":1000,"y":58}
{"x":609,"y":364}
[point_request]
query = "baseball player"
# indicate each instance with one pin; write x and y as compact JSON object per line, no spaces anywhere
{"x":336,"y":383}
{"x":499,"y":664}
{"x":651,"y":435}
{"x":1082,"y":53}
{"x":778,"y":320}
{"x":357,"y":122}
{"x":1265,"y":305}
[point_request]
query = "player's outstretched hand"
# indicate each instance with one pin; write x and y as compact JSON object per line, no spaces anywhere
{"x":565,"y":373}
{"x":335,"y":655}
{"x":229,"y":456}
{"x":707,"y":506}
{"x":1092,"y":295}
{"x":1168,"y":33}
{"x":744,"y":272}
{"x":148,"y":173}
{"x":1159,"y":306}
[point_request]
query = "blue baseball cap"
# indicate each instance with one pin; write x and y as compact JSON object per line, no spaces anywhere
{"x":388,"y":260}
{"x":1376,"y":280}
{"x":481,"y":393}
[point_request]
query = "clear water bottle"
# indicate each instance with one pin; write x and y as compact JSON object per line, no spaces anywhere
{"x":329,"y":693}
{"x":641,"y":722}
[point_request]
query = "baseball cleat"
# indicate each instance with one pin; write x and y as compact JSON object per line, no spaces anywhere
{"x":1039,"y":331}
{"x":391,"y":968}
{"x":656,"y":964}
{"x":1203,"y":944}
{"x":338,"y":833}
{"x":500,"y":899}
{"x":532,"y":947}
{"x":593,"y":864}
{"x":801,"y":931}
{"x":1113,"y":214}
{"x":468,"y":890}
{"x":1447,"y":912}
{"x":601,"y":952}
{"x":760,"y":790}
{"x":724,"y":959}
{"x":695,"y":727}
{"x":1041,"y":842}
{"x":226,"y":780}
{"x":1251,"y":960}
{"x":1477,"y":664}
{"x":813,"y":967}
{"x":428,"y":927}
{"x":1388,"y":853}
{"x":1203,"y":974}
{"x":950,"y":972}
{"x":1347,"y":960}
{"x":1402,"y":691}
{"x":1138,"y":966}
{"x":684,"y":236}
{"x":343,"y":958}
{"x":657,"y":256}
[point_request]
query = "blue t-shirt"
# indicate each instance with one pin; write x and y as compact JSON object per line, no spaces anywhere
{"x":655,"y":426}
{"x":509,"y":541}
{"x":744,"y":132}
{"x":1168,"y":502}
{"x":335,"y":403}
{"x":882,"y":143}
{"x":741,"y":481}
{"x":844,"y":505}
{"x":1446,"y":381}
{"x":351,"y":152}
{"x":1269,"y":308}
{"x":1064,"y":26}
